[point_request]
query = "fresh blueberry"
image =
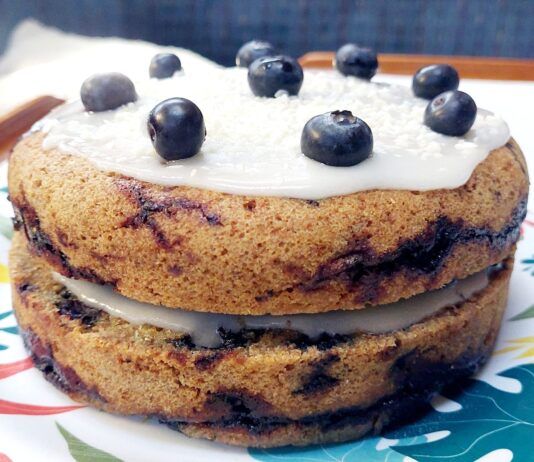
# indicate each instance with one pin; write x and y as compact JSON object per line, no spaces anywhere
{"x":164,"y":65}
{"x":358,"y":61}
{"x":337,"y":138}
{"x":176,"y":128}
{"x":103,"y":92}
{"x":451,"y":113}
{"x":270,"y":74}
{"x":428,"y":82}
{"x":253,"y":50}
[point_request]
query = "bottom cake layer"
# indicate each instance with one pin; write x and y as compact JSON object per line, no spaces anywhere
{"x":259,"y":388}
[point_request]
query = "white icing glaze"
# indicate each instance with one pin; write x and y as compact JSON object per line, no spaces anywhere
{"x":203,"y":326}
{"x":253,"y":144}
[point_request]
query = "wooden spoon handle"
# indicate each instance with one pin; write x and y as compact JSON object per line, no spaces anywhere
{"x":19,"y":120}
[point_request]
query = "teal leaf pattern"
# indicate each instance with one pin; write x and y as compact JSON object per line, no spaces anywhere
{"x":528,"y":313}
{"x":9,"y":330}
{"x":529,"y":265}
{"x":488,"y":419}
{"x":366,"y":450}
{"x":82,"y":452}
{"x":5,"y":314}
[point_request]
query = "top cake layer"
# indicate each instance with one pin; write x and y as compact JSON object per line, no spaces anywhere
{"x":251,"y":225}
{"x":252,"y":145}
{"x":209,"y":251}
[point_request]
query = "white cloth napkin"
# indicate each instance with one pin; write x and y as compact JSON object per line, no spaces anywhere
{"x":40,"y":60}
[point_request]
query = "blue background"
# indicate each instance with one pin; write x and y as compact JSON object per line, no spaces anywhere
{"x":216,"y":28}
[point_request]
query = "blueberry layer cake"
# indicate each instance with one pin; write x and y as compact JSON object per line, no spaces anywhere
{"x":260,"y":255}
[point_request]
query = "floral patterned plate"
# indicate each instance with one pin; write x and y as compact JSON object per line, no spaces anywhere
{"x":489,"y":418}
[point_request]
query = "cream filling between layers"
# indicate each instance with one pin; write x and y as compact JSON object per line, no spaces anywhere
{"x":203,"y":327}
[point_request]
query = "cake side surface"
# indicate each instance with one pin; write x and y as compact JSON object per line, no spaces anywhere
{"x":265,"y":390}
{"x":207,"y":251}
